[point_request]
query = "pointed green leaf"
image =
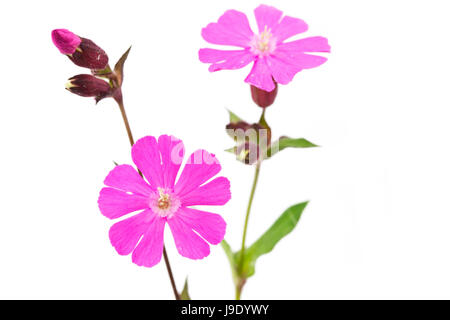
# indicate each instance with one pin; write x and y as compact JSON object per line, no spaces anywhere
{"x":231,"y":259}
{"x":285,"y":142}
{"x":185,"y":293}
{"x":231,"y":150}
{"x":118,"y":68}
{"x":233,"y":117}
{"x":282,"y":227}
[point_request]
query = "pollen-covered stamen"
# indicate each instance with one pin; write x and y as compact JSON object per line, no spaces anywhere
{"x":264,"y":43}
{"x":164,"y":199}
{"x":164,"y":203}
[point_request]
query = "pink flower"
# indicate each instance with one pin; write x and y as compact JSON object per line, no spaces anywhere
{"x":65,"y":40}
{"x":160,"y":200}
{"x":273,"y":59}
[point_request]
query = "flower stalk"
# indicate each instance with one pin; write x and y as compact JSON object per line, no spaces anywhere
{"x":119,"y":100}
{"x":241,"y":282}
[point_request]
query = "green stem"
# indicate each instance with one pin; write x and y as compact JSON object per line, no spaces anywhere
{"x":242,"y":280}
{"x":247,"y":215}
{"x":244,"y":235}
{"x":119,"y":101}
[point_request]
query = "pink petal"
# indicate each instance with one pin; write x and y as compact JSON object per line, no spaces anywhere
{"x":145,"y":154}
{"x":149,"y":250}
{"x":260,"y":76}
{"x":214,"y":193}
{"x":114,"y":203}
{"x":267,"y":16}
{"x":200,"y":167}
{"x":300,"y":60}
{"x":126,"y":178}
{"x":221,"y":59}
{"x":311,"y":44}
{"x":232,"y":29}
{"x":289,"y":27}
{"x":66,"y":41}
{"x":188,"y":243}
{"x":125,"y":235}
{"x":209,"y":225}
{"x":283,"y":71}
{"x":172,"y":153}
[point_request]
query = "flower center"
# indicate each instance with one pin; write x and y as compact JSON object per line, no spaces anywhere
{"x":264,"y":43}
{"x":164,"y":203}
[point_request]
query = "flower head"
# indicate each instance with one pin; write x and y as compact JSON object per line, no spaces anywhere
{"x":160,"y":199}
{"x":273,"y":58}
{"x":83,"y":52}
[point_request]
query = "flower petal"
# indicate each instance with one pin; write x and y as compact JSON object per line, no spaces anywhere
{"x":146,"y":156}
{"x":214,"y":193}
{"x":260,"y":76}
{"x":221,"y":59}
{"x":282,"y":72}
{"x":289,"y":27}
{"x":209,"y":225}
{"x":188,"y":243}
{"x":172,"y":153}
{"x":201,"y":167}
{"x":124,"y":177}
{"x":311,"y":44}
{"x":149,"y":250}
{"x":267,"y":16}
{"x":124,"y":235}
{"x":114,"y":203}
{"x":232,"y":29}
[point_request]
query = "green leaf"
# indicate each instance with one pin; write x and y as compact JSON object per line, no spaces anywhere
{"x":282,"y":227}
{"x":234,"y":118}
{"x":118,"y":68}
{"x":286,"y":142}
{"x":231,"y":259}
{"x":185,"y":293}
{"x":231,"y":150}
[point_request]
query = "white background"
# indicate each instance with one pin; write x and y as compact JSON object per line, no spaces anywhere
{"x":378,"y":222}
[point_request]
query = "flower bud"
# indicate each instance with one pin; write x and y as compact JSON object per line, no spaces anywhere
{"x":89,"y":55}
{"x":251,"y":140}
{"x":83,"y":52}
{"x":264,"y":98}
{"x":248,"y":152}
{"x":66,"y":42}
{"x":86,"y":85}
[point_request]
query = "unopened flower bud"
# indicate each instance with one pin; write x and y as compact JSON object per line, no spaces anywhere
{"x":89,"y":55}
{"x":86,"y":85}
{"x":83,"y":52}
{"x":248,"y":152}
{"x":251,"y":140}
{"x":264,"y":98}
{"x":66,"y":41}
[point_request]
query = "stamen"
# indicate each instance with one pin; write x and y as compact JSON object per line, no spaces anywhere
{"x":263,"y":43}
{"x":164,"y":199}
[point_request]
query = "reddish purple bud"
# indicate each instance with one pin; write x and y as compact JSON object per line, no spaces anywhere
{"x":86,"y":85}
{"x":89,"y":55}
{"x":66,"y":41}
{"x":248,"y":152}
{"x":264,"y":98}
